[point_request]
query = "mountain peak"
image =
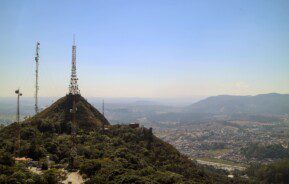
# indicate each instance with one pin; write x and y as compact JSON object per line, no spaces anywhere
{"x":87,"y":116}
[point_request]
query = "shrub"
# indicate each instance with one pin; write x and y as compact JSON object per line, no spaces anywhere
{"x":90,"y":167}
{"x":6,"y":159}
{"x":53,"y":176}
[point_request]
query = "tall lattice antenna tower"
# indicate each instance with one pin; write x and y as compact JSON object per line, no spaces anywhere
{"x":36,"y":76}
{"x":74,"y":91}
{"x":73,"y":87}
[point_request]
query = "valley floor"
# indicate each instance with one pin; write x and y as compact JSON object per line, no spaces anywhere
{"x":227,"y":142}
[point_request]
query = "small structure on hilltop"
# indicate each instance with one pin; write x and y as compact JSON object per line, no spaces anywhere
{"x":22,"y":159}
{"x":134,"y":125}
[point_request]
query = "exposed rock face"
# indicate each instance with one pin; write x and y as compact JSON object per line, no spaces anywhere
{"x":87,"y":117}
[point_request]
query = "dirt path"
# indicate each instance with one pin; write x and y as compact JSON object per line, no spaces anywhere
{"x":222,"y":166}
{"x":35,"y":170}
{"x":74,"y":178}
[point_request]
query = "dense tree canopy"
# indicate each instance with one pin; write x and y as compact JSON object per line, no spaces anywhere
{"x":118,"y":154}
{"x":260,"y":151}
{"x":273,"y":173}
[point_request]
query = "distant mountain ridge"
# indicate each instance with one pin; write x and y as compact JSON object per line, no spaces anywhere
{"x":259,"y":107}
{"x":272,"y":103}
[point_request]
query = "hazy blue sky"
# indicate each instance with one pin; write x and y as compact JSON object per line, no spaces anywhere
{"x":157,"y":48}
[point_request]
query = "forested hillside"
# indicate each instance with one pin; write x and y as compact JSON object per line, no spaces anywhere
{"x":114,"y":154}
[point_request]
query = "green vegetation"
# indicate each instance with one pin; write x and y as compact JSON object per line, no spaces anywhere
{"x":116,"y":154}
{"x":11,"y":172}
{"x":270,"y":174}
{"x":216,"y":152}
{"x":259,"y":151}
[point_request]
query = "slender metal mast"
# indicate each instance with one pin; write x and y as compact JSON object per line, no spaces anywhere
{"x":17,"y":142}
{"x":103,"y":107}
{"x":18,"y":103}
{"x":103,"y":114}
{"x":36,"y":76}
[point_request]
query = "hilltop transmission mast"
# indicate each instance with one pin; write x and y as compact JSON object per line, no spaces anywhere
{"x":73,"y":92}
{"x":73,"y":87}
{"x":17,"y":141}
{"x":18,"y":104}
{"x":36,"y":76}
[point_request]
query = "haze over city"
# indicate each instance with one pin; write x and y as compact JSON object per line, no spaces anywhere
{"x":144,"y":91}
{"x":147,"y":49}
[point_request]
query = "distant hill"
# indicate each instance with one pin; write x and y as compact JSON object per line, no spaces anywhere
{"x":263,"y":108}
{"x":273,"y":103}
{"x":87,"y":116}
